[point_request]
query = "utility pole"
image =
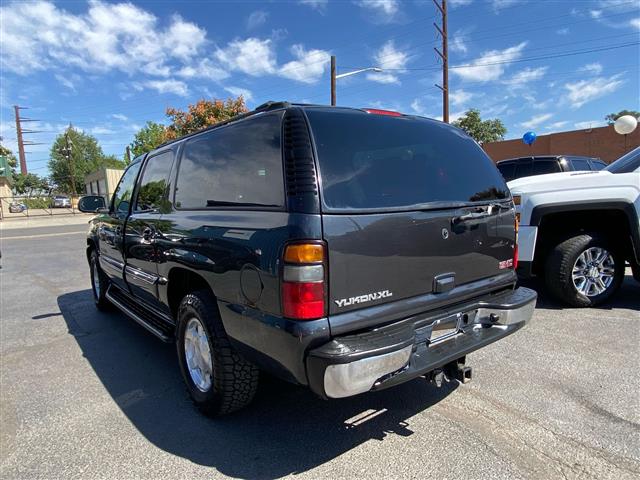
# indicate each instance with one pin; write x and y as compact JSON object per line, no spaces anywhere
{"x":444,"y":55}
{"x":21,"y":156}
{"x":333,"y":80}
{"x":67,"y":152}
{"x":21,"y":141}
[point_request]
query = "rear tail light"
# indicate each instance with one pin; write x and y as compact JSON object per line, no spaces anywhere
{"x":303,"y":281}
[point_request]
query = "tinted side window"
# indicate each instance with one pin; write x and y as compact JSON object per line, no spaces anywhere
{"x":122,"y":195}
{"x":234,"y":165}
{"x":152,"y":194}
{"x":508,"y":170}
{"x":598,"y":164}
{"x":580,"y":164}
{"x":524,"y":169}
{"x":540,"y":167}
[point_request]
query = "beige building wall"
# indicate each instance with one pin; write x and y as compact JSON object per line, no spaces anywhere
{"x":103,"y":182}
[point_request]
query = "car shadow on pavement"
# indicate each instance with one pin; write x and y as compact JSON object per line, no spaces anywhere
{"x":626,"y":297}
{"x":286,"y":430}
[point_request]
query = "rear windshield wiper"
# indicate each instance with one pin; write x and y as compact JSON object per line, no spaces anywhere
{"x":221,"y":203}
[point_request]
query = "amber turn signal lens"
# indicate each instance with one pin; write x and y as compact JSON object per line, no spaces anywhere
{"x":517,"y":199}
{"x":304,"y":253}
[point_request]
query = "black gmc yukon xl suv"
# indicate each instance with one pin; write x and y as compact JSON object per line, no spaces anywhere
{"x":347,"y":250}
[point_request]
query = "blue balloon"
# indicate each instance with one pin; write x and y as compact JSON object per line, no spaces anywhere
{"x":529,"y":138}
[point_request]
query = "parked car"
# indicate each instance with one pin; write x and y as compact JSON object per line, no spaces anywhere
{"x":17,"y":207}
{"x":343,"y":249}
{"x":577,"y":230}
{"x":528,"y":166}
{"x":61,"y":201}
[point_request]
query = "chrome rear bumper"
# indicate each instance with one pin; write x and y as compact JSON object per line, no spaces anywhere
{"x":412,"y":347}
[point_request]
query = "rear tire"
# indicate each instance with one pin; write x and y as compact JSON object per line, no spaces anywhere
{"x":99,"y":283}
{"x":218,"y":378}
{"x":574,"y":275}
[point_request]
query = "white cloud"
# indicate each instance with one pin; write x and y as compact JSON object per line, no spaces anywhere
{"x":251,"y":56}
{"x":556,"y":125}
{"x":536,"y":120}
{"x":500,"y":4}
{"x":119,"y":116}
{"x":176,"y":87}
{"x":595,"y":68}
{"x":459,"y":3}
{"x":595,"y":13}
{"x":489,"y":66}
{"x":390,"y":58}
{"x":204,"y":68}
{"x":563,"y":31}
{"x":589,"y":124}
{"x":237,"y":91}
{"x":635,"y":23}
{"x":527,"y":75}
{"x":584,"y":91}
{"x":65,"y":82}
{"x":308,"y":67}
{"x":257,"y":18}
{"x":319,"y":5}
{"x":458,"y":97}
{"x":457,"y":43}
{"x":383,"y":10}
{"x":121,"y":36}
{"x":101,"y":130}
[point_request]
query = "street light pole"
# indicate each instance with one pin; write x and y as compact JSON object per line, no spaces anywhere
{"x":334,"y":77}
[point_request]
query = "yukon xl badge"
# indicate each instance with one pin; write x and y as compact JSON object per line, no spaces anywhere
{"x":345,"y":302}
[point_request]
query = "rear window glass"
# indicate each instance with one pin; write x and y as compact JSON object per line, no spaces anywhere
{"x":524,"y":168}
{"x":580,"y":164}
{"x":235,"y":165}
{"x":508,"y":170}
{"x":370,"y":161}
{"x":540,"y":167}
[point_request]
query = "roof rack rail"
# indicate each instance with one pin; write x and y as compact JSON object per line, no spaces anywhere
{"x":265,"y":107}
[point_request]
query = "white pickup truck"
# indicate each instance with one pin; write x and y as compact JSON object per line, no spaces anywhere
{"x":578,"y":229}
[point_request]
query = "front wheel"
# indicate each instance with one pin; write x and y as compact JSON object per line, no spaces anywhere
{"x":99,"y":283}
{"x":218,"y":378}
{"x":585,"y":270}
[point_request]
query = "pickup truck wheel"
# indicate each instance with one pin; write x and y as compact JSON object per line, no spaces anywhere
{"x":99,"y":283}
{"x":585,"y":270}
{"x":218,"y":378}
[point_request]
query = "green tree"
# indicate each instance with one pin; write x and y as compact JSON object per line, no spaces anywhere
{"x":85,"y":156}
{"x":148,"y":137}
{"x":202,"y":114}
{"x":30,"y":183}
{"x":612,"y":117}
{"x":482,"y":131}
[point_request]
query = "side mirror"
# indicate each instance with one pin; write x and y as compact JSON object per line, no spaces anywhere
{"x":92,"y":204}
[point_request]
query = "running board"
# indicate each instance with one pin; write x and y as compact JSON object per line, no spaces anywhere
{"x":137,"y":318}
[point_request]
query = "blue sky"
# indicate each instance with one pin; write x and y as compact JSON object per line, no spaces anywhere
{"x":109,"y":67}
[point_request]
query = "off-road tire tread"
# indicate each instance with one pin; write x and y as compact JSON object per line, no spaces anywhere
{"x":235,"y":380}
{"x":559,"y":265}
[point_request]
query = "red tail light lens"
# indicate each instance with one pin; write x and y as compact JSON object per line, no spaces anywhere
{"x":515,"y":257}
{"x":303,"y":301}
{"x":303,"y":281}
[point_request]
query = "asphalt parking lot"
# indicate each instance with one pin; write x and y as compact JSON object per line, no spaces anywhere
{"x":90,"y":395}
